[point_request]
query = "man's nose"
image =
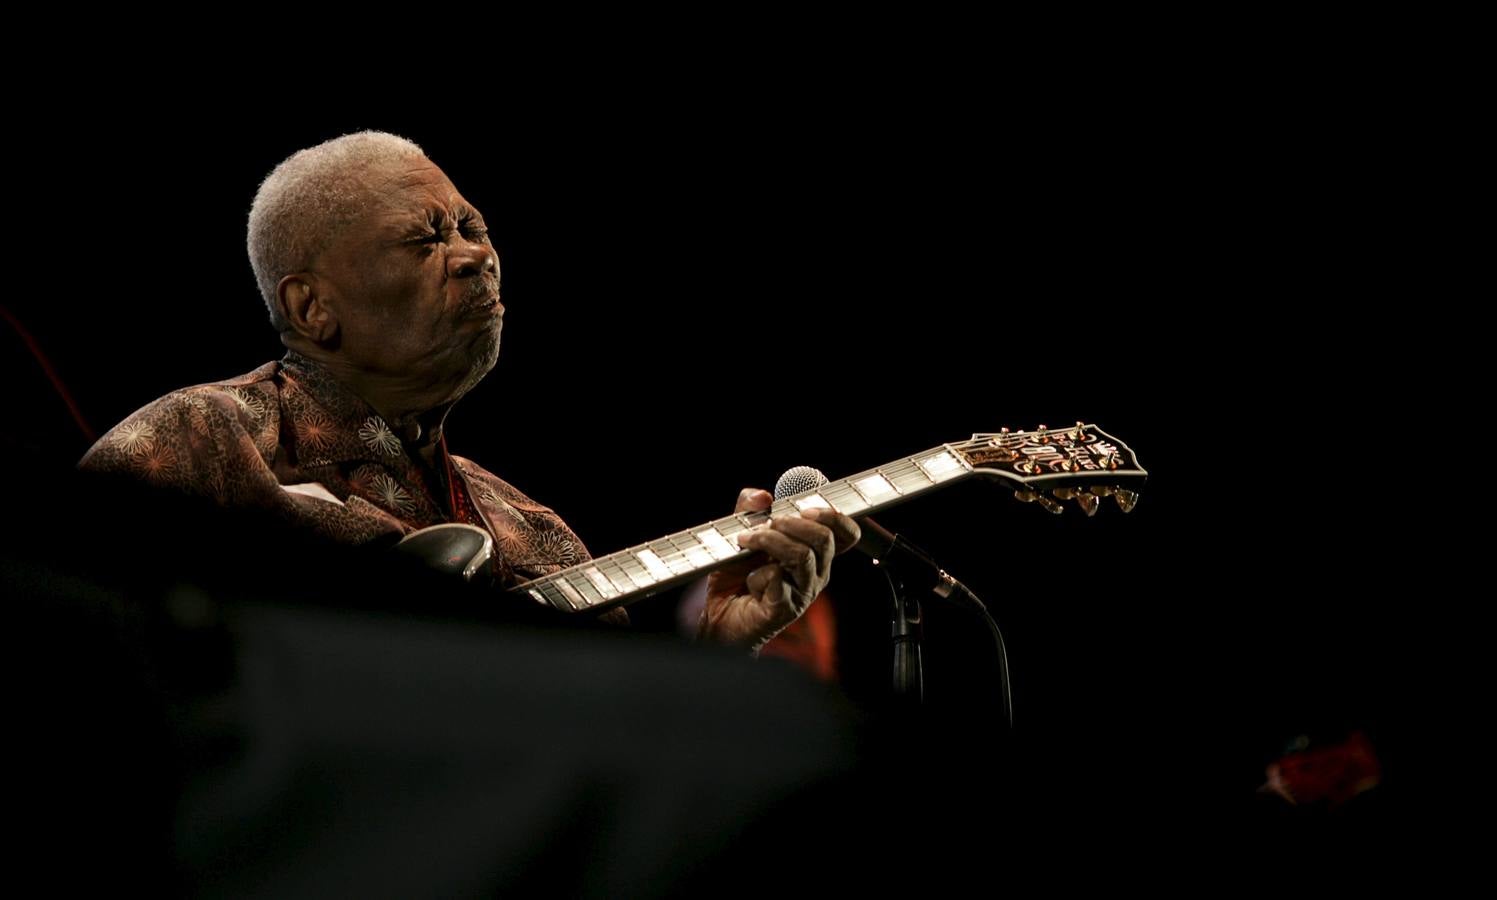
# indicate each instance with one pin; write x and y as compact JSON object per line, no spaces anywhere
{"x":468,"y":258}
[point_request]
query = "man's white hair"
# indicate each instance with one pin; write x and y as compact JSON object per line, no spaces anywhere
{"x":308,"y":199}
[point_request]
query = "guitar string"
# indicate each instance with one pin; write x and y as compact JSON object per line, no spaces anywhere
{"x":607,"y":564}
{"x":676,"y":555}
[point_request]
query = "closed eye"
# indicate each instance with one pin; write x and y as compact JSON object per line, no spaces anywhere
{"x":473,"y":229}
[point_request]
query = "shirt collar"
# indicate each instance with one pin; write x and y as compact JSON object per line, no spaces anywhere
{"x":332,"y":424}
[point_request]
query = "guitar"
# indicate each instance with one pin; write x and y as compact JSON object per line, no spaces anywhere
{"x":1047,"y":467}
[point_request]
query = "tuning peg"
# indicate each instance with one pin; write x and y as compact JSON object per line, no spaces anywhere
{"x":1003,"y":443}
{"x":1087,"y":502}
{"x":1029,"y":467}
{"x":1043,"y":434}
{"x":1080,"y":433}
{"x":1126,"y":499}
{"x":1026,"y":496}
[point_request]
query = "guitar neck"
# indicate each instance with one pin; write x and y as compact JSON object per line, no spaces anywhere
{"x":633,"y":574}
{"x":1080,"y":464}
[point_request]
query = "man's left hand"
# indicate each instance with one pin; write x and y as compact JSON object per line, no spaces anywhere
{"x":750,"y":602}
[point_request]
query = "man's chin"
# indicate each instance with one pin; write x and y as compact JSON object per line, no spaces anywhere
{"x":485,"y":355}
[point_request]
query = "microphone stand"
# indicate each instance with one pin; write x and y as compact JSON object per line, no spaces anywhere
{"x":905,"y":631}
{"x":889,"y":549}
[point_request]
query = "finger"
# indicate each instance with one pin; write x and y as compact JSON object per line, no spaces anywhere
{"x":751,"y":499}
{"x":844,"y":528}
{"x":798,"y":558}
{"x":765,"y":581}
{"x":818,"y":537}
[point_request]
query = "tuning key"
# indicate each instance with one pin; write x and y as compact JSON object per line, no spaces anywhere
{"x":1043,"y":434}
{"x":1126,"y":499}
{"x":1087,"y":502}
{"x":1026,"y":496}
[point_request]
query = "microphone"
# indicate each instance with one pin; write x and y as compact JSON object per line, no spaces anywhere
{"x":884,"y":546}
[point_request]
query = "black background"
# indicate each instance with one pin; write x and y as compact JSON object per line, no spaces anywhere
{"x":706,"y":284}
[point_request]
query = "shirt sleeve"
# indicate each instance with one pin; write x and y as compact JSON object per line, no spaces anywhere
{"x":220,"y":443}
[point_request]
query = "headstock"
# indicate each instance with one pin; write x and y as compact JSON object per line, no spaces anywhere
{"x":1050,"y":466}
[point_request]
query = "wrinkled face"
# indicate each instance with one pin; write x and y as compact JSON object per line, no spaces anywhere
{"x":415,"y":282}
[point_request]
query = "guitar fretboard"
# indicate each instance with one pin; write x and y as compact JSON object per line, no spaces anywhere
{"x":639,"y":571}
{"x":1041,"y":464}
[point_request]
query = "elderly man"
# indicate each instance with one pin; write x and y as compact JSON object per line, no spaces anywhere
{"x":384,"y":286}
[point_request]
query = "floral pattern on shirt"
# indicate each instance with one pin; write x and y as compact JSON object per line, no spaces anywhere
{"x":291,"y":422}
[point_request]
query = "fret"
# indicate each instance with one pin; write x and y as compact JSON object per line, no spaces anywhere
{"x":555,"y":597}
{"x":716,"y":545}
{"x":908,"y":477}
{"x":637,"y":573}
{"x":667,"y":553}
{"x":610,"y":567}
{"x":581,"y":585}
{"x":843,"y":498}
{"x":658,"y":570}
{"x":574,"y":598}
{"x":604,"y":586}
{"x":754,"y":519}
{"x":689,"y":547}
{"x":729,"y":527}
{"x":941,"y":466}
{"x":875,"y":488}
{"x":781,"y":508}
{"x":815,"y":501}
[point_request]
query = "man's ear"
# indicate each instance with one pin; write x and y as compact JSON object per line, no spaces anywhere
{"x":304,"y":309}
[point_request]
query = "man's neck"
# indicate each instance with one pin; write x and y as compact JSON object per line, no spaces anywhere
{"x":413,"y":410}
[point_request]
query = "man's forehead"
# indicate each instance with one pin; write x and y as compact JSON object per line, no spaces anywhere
{"x":414,"y":180}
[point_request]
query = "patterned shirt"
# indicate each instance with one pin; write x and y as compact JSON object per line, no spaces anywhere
{"x":269,"y":438}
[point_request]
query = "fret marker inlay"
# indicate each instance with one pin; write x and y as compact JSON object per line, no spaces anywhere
{"x":875,"y":488}
{"x":658,"y":569}
{"x":815,"y":501}
{"x":939,"y":465}
{"x":716,"y":544}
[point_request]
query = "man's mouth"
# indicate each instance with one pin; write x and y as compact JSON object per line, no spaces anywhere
{"x":483,"y":306}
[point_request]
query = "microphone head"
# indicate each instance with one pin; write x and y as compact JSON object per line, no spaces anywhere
{"x":797,"y":481}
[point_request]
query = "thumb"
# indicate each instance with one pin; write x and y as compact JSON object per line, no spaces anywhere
{"x":751,"y":499}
